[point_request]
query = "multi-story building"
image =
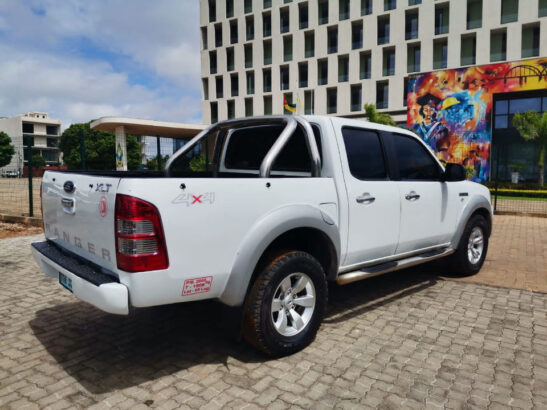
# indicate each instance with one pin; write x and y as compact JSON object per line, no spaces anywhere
{"x":36,"y":129}
{"x":333,"y":56}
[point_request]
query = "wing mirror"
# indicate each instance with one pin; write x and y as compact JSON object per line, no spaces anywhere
{"x":453,"y":172}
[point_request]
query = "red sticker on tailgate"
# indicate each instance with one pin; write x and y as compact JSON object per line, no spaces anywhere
{"x":197,"y":285}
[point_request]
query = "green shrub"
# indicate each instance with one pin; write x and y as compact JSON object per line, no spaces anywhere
{"x":520,"y":193}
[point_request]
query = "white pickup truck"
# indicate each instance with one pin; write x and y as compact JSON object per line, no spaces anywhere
{"x":260,"y":213}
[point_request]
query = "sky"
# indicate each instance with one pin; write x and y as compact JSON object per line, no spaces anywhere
{"x":79,"y":60}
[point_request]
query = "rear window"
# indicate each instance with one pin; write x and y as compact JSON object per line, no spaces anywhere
{"x":247,"y":148}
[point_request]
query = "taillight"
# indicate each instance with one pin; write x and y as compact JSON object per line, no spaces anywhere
{"x":140,"y":242}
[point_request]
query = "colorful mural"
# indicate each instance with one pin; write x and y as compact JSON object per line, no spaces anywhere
{"x":451,"y":109}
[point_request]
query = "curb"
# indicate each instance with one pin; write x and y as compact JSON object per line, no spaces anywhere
{"x":25,"y":220}
{"x":520,"y":214}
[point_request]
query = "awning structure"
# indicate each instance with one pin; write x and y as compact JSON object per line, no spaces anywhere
{"x":122,"y":126}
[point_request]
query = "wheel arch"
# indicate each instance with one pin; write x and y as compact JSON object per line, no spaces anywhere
{"x":477,"y":206}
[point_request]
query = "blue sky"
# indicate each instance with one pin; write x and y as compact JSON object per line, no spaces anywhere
{"x":82,"y":59}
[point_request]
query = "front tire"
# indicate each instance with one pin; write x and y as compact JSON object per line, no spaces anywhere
{"x":469,"y":257}
{"x":286,"y":304}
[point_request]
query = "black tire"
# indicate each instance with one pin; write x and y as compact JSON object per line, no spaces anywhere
{"x":460,"y":261}
{"x":258,"y":327}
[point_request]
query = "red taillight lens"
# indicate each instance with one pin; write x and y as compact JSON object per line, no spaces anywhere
{"x":140,"y":242}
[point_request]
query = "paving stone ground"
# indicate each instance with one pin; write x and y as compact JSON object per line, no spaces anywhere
{"x":409,"y":339}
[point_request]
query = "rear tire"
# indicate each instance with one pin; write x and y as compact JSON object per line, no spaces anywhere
{"x":471,"y":252}
{"x":286,"y":304}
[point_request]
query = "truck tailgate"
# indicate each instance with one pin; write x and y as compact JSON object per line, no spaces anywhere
{"x":78,"y":212}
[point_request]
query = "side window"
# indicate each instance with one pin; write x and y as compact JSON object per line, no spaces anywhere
{"x":365,"y":155}
{"x":414,"y":161}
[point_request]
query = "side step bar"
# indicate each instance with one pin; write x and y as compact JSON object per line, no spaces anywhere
{"x":376,"y":270}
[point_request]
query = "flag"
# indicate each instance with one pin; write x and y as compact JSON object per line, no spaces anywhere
{"x":289,"y":107}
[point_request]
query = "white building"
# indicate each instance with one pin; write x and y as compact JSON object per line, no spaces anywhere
{"x":332,"y":57}
{"x":36,"y":129}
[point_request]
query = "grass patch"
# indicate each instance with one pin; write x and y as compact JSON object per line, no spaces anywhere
{"x":521,"y":198}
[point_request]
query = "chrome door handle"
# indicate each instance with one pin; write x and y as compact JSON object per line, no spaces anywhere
{"x":412,"y":196}
{"x":366,"y":198}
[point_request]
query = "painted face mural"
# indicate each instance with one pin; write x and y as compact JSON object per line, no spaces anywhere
{"x":451,"y":110}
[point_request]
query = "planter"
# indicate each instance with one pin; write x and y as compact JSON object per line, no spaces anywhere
{"x":514,"y":177}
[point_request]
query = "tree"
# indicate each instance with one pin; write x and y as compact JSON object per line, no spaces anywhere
{"x":374,"y":116}
{"x":38,"y":161}
{"x":6,"y":149}
{"x":533,"y":127}
{"x":153,"y":163}
{"x":100,"y":148}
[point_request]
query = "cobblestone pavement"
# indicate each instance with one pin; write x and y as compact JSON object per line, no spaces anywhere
{"x":407,"y":339}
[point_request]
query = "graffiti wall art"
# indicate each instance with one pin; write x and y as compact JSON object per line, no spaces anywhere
{"x":451,"y":110}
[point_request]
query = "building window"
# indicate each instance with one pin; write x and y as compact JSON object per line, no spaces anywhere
{"x":469,"y":50}
{"x":250,"y":77}
{"x":509,"y":11}
{"x":287,"y":48}
{"x":308,"y":102}
{"x":530,"y":41}
{"x":309,"y":44}
{"x":303,"y":15}
{"x":231,"y":105}
{"x":204,"y":38}
{"x":411,"y":24}
{"x":233,"y":31}
{"x":229,"y":8}
{"x":388,"y":61}
{"x":284,"y":20}
{"x":366,"y":7}
{"x":441,"y":18}
{"x":383,"y":29}
{"x":230,"y":59}
{"x":343,"y":68}
{"x":214,"y":112}
{"x":267,"y":105}
{"x":357,"y":35}
{"x":284,"y":77}
{"x":28,"y":128}
{"x":332,"y":39}
{"x":267,"y":80}
{"x":267,"y":4}
{"x":219,"y":87}
{"x":250,"y":27}
{"x":248,"y":107}
{"x":323,"y":11}
{"x":390,"y":5}
{"x":248,"y":50}
{"x":505,"y":109}
{"x":218,"y":35}
{"x":343,"y":9}
{"x":365,"y":65}
{"x":28,"y":140}
{"x":332,"y":100}
{"x":414,"y":2}
{"x":405,"y":91}
{"x":212,"y":62}
{"x":322,"y":71}
{"x":52,"y":130}
{"x":303,"y":74}
{"x":234,"y":85}
{"x":474,"y":14}
{"x":440,"y":53}
{"x":382,"y":94}
{"x":212,"y":11}
{"x":413,"y":58}
{"x":542,"y":8}
{"x":248,"y":6}
{"x":266,"y":25}
{"x":498,"y":45}
{"x":205,"y":85}
{"x":356,"y":97}
{"x":267,"y":47}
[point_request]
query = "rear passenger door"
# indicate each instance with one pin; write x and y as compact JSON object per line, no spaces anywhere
{"x":373,"y":200}
{"x":428,"y":206}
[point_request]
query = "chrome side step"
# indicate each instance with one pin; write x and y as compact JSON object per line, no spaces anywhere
{"x":376,"y":270}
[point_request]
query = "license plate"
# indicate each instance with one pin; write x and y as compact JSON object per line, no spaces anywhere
{"x":65,"y":281}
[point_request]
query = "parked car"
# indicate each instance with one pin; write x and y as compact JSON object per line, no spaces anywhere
{"x":260,"y":213}
{"x":9,"y":174}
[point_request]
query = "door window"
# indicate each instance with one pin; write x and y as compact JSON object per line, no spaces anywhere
{"x":365,"y":155}
{"x":414,"y":161}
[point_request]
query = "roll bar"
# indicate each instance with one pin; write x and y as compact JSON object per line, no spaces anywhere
{"x":291,"y":123}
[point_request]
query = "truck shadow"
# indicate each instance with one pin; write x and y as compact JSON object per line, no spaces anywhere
{"x":105,"y":352}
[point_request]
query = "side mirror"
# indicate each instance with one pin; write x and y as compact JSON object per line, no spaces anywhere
{"x":453,"y":172}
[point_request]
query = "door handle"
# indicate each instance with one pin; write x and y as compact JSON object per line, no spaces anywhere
{"x":366,"y":198}
{"x":412,"y":196}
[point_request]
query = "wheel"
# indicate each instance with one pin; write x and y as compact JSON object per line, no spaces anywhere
{"x":286,"y":304}
{"x":471,"y":251}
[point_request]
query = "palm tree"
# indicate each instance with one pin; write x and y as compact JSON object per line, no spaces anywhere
{"x":533,"y":127}
{"x":374,"y":116}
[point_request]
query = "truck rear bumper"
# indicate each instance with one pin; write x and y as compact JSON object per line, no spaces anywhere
{"x":89,"y":282}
